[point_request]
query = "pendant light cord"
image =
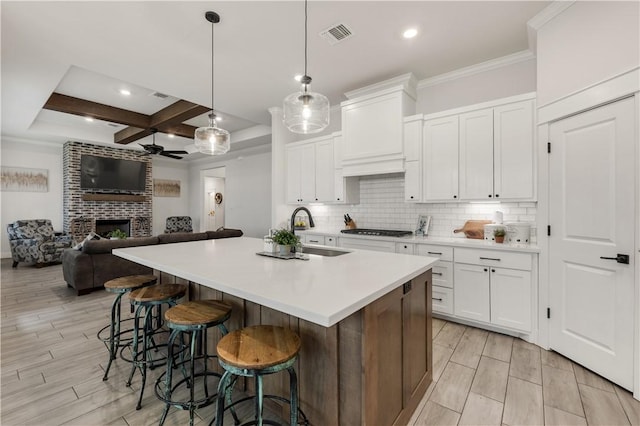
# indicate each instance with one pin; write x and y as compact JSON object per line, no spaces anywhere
{"x":305,"y":42}
{"x":212,"y":67}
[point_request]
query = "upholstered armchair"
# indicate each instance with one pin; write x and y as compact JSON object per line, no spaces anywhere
{"x":34,"y":241}
{"x":178,"y":224}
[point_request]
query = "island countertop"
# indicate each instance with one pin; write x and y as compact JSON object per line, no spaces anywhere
{"x":322,"y":290}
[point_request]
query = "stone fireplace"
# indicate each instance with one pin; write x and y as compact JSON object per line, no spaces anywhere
{"x":87,"y":210}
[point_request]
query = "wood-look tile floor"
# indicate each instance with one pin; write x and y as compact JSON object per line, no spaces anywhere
{"x":51,"y":367}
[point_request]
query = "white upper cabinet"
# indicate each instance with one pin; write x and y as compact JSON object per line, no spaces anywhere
{"x":440,"y":159}
{"x":301,"y":174}
{"x":476,"y":155}
{"x":373,"y":124}
{"x":413,"y":154}
{"x":513,"y":151}
{"x":324,"y":178}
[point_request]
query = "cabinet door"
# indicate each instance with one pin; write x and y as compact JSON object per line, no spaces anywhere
{"x":314,"y":239}
{"x":511,"y":298}
{"x":413,"y":139}
{"x":476,"y":155}
{"x":294,"y":167}
{"x":471,"y":292}
{"x":406,"y":248}
{"x":307,"y":173}
{"x":414,"y":336}
{"x":513,"y":151}
{"x":324,"y":171}
{"x":442,"y":272}
{"x":330,"y":241}
{"x":412,"y":181}
{"x":440,"y":159}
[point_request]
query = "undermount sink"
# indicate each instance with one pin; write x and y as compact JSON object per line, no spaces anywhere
{"x":321,"y":251}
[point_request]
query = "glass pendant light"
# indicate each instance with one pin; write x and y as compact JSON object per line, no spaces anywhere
{"x":212,"y":140}
{"x":306,"y":111}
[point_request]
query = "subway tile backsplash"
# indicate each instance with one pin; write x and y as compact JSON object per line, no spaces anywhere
{"x":382,"y":205}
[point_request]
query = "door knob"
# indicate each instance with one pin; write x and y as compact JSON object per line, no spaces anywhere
{"x":620,"y":258}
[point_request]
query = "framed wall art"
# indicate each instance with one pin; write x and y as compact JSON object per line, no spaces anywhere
{"x":166,"y":188}
{"x":23,"y":179}
{"x":422,"y":227}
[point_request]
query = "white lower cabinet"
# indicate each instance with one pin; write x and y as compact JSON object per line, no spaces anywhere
{"x":406,"y":248}
{"x":500,"y":295}
{"x":365,"y":244}
{"x":442,"y":299}
{"x":330,"y":241}
{"x":442,"y":276}
{"x":314,"y":239}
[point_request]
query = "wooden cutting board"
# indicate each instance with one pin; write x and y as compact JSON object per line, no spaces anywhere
{"x":473,"y":228}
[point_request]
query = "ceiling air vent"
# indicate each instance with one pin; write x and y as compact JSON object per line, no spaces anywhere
{"x":336,"y":33}
{"x":159,"y":95}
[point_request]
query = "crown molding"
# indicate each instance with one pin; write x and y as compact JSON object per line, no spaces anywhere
{"x":514,"y":58}
{"x":544,"y":16}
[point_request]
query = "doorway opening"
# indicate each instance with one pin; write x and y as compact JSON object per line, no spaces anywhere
{"x":213,"y":198}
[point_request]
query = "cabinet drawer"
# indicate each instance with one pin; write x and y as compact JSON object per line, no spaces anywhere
{"x":405,"y":248}
{"x":330,"y":241}
{"x":364,"y":244}
{"x":503,"y":259}
{"x":442,"y":273}
{"x":442,"y":299}
{"x":315,"y":239}
{"x":443,"y":252}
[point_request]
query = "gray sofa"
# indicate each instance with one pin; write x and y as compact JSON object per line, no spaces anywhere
{"x":89,"y":268}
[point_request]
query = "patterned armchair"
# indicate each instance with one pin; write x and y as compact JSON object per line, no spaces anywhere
{"x":178,"y":224}
{"x":33,"y":241}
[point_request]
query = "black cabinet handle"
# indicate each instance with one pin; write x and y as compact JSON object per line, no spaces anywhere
{"x":434,"y":252}
{"x":436,"y":298}
{"x":338,"y":199}
{"x":493,"y":270}
{"x":455,"y":196}
{"x":489,"y":195}
{"x":490,"y":258}
{"x":485,"y":269}
{"x":497,"y":195}
{"x":436,"y":273}
{"x":620,"y":258}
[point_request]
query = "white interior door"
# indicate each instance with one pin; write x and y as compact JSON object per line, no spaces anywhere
{"x":591,"y":211}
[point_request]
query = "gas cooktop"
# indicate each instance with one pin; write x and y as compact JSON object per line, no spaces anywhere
{"x":377,"y":232}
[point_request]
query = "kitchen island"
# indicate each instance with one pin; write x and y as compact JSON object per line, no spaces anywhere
{"x":364,"y":319}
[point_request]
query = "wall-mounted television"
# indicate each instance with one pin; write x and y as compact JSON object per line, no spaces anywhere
{"x":104,"y":173}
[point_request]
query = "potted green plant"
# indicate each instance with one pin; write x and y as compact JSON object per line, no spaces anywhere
{"x":499,"y":234}
{"x":286,"y":240}
{"x":117,"y":234}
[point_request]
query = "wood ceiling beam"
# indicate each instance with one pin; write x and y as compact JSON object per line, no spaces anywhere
{"x":70,"y":105}
{"x":167,"y":120}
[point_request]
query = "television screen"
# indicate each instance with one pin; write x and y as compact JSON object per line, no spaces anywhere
{"x":112,"y":173}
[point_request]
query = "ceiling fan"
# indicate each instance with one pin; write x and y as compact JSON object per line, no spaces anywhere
{"x":153,"y":149}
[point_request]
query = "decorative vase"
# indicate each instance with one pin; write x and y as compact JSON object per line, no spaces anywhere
{"x":500,"y":239}
{"x":284,"y":249}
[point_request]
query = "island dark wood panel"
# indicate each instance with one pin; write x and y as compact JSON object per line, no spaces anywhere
{"x":372,"y":368}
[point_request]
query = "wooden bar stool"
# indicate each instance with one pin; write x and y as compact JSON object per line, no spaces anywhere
{"x":255,"y":352}
{"x":146,"y":299}
{"x":120,"y":286}
{"x":195,"y":318}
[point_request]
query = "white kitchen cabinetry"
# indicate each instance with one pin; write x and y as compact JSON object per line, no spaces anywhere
{"x":413,"y":154}
{"x":345,"y":190}
{"x":366,"y":244}
{"x":494,"y":287}
{"x":440,"y":159}
{"x":330,"y":241}
{"x":497,"y":153}
{"x":324,"y":177}
{"x":301,"y":174}
{"x":442,"y":273}
{"x":314,"y":239}
{"x":406,"y":248}
{"x":372,"y":126}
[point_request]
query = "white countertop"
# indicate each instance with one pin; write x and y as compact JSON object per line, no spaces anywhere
{"x":443,"y":241}
{"x":322,"y":290}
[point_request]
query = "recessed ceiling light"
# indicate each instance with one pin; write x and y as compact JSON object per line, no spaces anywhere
{"x":125,"y":92}
{"x":89,"y":119}
{"x":410,"y":33}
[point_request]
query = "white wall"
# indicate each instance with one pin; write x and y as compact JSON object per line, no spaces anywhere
{"x":587,"y":43}
{"x":164,"y":207}
{"x":509,"y":80}
{"x":247,"y":187}
{"x":31,"y":205}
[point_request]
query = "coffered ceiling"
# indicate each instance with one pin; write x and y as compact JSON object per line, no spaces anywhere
{"x":161,"y":53}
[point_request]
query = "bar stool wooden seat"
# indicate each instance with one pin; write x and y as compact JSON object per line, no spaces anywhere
{"x":146,"y":298}
{"x":254,"y":352}
{"x":120,"y":286}
{"x":193,"y":317}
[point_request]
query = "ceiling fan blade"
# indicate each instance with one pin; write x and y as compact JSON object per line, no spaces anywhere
{"x":166,"y":154}
{"x":176,"y":152}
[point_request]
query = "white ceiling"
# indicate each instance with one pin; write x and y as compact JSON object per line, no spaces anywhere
{"x":91,"y":49}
